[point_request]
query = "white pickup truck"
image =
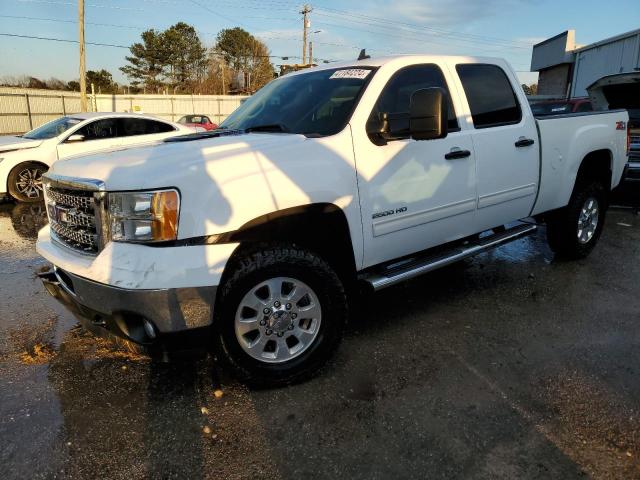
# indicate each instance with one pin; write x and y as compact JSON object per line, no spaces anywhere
{"x":251,"y":238}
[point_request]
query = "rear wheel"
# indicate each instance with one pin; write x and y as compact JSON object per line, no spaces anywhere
{"x":573,"y":231}
{"x":281,"y":316}
{"x":25,"y":182}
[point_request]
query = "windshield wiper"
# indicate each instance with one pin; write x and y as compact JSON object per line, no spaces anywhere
{"x":272,"y":127}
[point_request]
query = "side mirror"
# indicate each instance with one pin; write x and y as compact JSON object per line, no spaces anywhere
{"x":75,"y":138}
{"x":428,"y":114}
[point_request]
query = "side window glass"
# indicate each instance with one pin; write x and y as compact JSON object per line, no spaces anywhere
{"x":490,"y":95}
{"x":141,"y":126}
{"x":396,"y":96}
{"x":158,"y":127}
{"x":100,"y":129}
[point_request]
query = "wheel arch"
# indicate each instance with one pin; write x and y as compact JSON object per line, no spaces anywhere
{"x":596,"y":165}
{"x":320,"y":227}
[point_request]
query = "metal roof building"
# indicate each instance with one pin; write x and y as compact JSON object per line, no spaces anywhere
{"x":567,"y":69}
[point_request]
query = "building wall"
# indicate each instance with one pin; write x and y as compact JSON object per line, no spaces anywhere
{"x":554,"y":80}
{"x":618,"y":55}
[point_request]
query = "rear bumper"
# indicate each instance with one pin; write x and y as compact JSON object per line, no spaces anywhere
{"x":171,"y":318}
{"x":632,"y":172}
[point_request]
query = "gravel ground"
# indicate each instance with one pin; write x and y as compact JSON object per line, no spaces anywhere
{"x":510,"y":365}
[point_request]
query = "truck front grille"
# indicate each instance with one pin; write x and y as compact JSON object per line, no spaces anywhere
{"x":72,"y":217}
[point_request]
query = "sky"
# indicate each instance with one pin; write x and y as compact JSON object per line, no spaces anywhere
{"x":502,"y":28}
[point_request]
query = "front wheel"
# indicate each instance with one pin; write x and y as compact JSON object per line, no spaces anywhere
{"x":281,"y":314}
{"x":25,"y":182}
{"x":574,"y":230}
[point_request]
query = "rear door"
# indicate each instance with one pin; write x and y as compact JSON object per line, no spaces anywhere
{"x":137,"y":131}
{"x":505,"y":141}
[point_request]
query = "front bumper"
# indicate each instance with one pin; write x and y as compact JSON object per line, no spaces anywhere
{"x":171,"y":318}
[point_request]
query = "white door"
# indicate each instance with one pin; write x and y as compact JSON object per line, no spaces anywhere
{"x":505,"y":141}
{"x":98,"y":135}
{"x":414,"y":194}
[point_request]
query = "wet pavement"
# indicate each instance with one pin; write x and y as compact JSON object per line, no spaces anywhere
{"x":510,"y":365}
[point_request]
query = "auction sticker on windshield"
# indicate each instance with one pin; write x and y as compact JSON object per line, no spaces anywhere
{"x":351,"y":73}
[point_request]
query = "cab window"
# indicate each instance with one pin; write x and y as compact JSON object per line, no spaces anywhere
{"x":396,"y":97}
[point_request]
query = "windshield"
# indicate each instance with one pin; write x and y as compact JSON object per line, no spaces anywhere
{"x":550,"y":108}
{"x":317,"y":103}
{"x":52,"y":129}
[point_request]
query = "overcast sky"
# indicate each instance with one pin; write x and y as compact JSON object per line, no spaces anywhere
{"x":505,"y":28}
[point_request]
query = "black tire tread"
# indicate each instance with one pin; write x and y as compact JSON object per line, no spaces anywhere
{"x":260,"y":257}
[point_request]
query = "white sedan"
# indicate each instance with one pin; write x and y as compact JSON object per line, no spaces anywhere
{"x":24,"y":159}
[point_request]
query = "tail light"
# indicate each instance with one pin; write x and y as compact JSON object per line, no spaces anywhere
{"x":628,"y":140}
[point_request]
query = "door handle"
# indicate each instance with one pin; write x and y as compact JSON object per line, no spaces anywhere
{"x":524,"y":142}
{"x":457,"y":153}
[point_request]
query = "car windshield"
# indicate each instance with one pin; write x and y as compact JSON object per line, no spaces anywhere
{"x":52,"y":129}
{"x":550,"y":108}
{"x":183,"y":120}
{"x":315,"y":103}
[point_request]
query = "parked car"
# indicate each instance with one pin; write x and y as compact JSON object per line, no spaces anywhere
{"x":198,"y":121}
{"x":252,"y":238}
{"x":555,"y":107}
{"x":23,"y":159}
{"x":622,"y":90}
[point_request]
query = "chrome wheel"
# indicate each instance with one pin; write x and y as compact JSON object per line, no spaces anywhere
{"x":29,"y":183}
{"x":588,"y":220}
{"x":278,"y":320}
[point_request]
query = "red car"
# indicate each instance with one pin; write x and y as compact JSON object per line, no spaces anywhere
{"x":201,"y":121}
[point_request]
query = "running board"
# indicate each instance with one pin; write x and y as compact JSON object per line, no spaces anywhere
{"x":401,"y":271}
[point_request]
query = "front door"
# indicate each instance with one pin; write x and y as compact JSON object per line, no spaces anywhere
{"x":98,"y":135}
{"x":414,"y":194}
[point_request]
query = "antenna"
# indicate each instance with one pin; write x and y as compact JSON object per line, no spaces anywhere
{"x":363,"y":55}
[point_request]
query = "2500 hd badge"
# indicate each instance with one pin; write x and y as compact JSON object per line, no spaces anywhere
{"x":389,"y":212}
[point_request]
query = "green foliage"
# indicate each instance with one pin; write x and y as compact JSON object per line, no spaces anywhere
{"x":102,"y":81}
{"x":247,"y":55}
{"x":173,"y":58}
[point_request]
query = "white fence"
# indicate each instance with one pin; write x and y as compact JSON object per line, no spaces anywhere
{"x":24,"y":109}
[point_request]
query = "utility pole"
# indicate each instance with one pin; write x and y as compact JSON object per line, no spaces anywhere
{"x":310,"y":52}
{"x":306,"y":10}
{"x":83,"y":78}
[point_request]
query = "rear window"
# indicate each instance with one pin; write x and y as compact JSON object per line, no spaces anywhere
{"x":491,"y":98}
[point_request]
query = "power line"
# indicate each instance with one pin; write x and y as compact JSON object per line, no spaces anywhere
{"x":61,"y":40}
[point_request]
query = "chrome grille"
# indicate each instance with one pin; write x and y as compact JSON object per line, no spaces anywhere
{"x":72,"y":218}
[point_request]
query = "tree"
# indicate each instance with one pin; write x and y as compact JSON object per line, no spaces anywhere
{"x":184,"y":55}
{"x":533,"y":88}
{"x":147,"y":61}
{"x":73,"y":85}
{"x":245,"y":55}
{"x":527,"y":90}
{"x":102,"y":81}
{"x":36,"y":83}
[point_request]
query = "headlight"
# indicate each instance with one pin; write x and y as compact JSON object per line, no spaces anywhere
{"x":143,"y":216}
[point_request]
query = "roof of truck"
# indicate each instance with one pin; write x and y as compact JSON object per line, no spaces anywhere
{"x":409,"y":58}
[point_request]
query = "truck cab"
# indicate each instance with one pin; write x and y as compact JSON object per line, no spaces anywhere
{"x":256,"y":235}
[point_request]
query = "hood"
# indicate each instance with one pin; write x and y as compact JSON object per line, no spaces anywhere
{"x":10,"y":143}
{"x":616,"y":91}
{"x":164,"y":164}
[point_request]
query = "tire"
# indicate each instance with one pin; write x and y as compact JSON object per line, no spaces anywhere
{"x":276,"y":358}
{"x":574,"y":230}
{"x":25,"y":182}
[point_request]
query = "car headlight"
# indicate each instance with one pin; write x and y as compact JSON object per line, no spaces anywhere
{"x":143,"y":216}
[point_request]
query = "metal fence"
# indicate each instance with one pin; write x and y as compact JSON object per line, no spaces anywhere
{"x":24,"y":109}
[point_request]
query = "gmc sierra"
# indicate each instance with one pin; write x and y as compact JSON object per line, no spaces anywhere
{"x":364,"y":173}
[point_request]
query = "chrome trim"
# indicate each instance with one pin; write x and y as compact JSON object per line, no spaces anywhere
{"x":380,"y":280}
{"x":61,"y":181}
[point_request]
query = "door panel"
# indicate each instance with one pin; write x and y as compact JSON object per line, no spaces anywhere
{"x":99,"y":135}
{"x":507,"y":173}
{"x":412,"y":197}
